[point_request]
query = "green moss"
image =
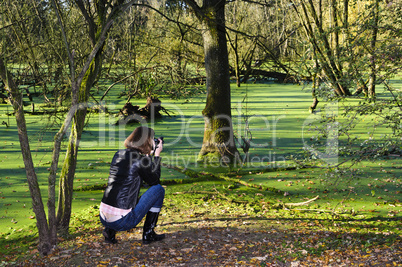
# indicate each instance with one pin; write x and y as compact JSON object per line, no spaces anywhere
{"x":210,"y":157}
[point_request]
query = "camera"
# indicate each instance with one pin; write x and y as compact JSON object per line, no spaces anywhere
{"x":157,"y":141}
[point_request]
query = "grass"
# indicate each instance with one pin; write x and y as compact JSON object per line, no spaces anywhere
{"x":365,"y":198}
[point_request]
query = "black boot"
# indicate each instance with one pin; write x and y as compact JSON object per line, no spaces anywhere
{"x":110,"y":235}
{"x":148,"y":234}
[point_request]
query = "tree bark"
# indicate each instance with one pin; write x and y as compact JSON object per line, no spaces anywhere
{"x":235,"y":46}
{"x":46,"y":242}
{"x":70,"y":162}
{"x":373,"y":65}
{"x":98,"y":30}
{"x":237,"y":61}
{"x":218,"y":142}
{"x":335,"y":26}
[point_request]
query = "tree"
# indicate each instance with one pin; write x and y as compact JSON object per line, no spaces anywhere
{"x":82,"y":79}
{"x":349,"y":41}
{"x":99,"y":25}
{"x":218,"y":139}
{"x":256,"y":46}
{"x":326,"y":53}
{"x":371,"y":54}
{"x":373,"y":44}
{"x":45,"y":238}
{"x":25,"y":36}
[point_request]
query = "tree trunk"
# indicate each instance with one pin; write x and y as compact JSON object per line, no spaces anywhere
{"x":315,"y":85}
{"x":314,"y":104}
{"x":218,"y":142}
{"x":322,"y":47}
{"x":373,"y":68}
{"x":237,"y":63}
{"x":46,"y":242}
{"x":234,"y":45}
{"x":52,"y":175}
{"x":70,"y":162}
{"x":81,"y":86}
{"x":335,"y":27}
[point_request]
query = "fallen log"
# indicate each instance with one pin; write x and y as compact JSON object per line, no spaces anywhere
{"x":279,"y":77}
{"x":134,"y":114}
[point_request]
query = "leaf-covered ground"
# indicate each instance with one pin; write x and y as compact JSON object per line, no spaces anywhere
{"x":204,"y":244}
{"x":206,"y":231}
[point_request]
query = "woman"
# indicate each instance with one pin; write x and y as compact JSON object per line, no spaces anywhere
{"x":121,"y":208}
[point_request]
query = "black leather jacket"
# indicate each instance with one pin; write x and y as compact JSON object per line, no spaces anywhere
{"x":127,"y":172}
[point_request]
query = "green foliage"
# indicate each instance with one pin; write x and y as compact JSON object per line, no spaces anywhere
{"x":384,"y":112}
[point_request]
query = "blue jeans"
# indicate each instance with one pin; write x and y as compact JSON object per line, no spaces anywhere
{"x":153,"y":197}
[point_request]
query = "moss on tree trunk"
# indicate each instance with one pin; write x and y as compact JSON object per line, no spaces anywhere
{"x":70,"y":162}
{"x":218,"y":131}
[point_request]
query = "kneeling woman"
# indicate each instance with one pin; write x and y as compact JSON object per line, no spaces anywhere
{"x":121,"y":208}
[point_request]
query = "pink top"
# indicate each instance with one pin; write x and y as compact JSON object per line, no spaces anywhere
{"x":105,"y":208}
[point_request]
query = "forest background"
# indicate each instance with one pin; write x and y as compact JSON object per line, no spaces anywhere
{"x":66,"y":63}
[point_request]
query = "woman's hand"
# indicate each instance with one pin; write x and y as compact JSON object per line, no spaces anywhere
{"x":159,"y":149}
